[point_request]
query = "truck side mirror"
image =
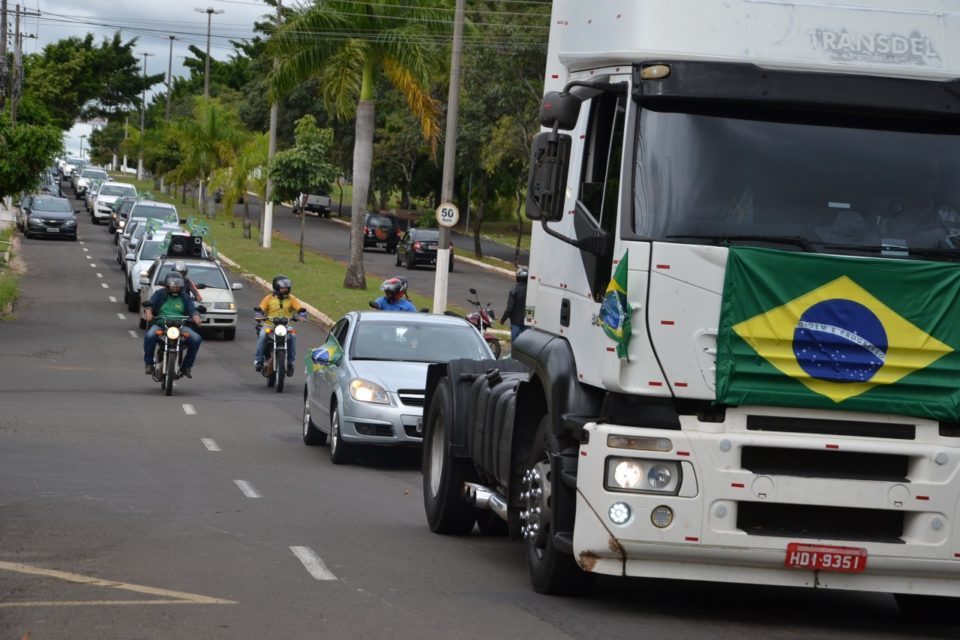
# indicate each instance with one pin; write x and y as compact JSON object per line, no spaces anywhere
{"x":546,"y":187}
{"x":560,"y":109}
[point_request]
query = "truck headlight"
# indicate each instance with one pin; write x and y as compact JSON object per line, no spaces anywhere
{"x":638,"y":475}
{"x":366,"y":391}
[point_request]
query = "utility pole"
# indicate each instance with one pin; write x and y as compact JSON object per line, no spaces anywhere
{"x":3,"y":52}
{"x":206,"y":74}
{"x":449,"y":160}
{"x":81,"y":146}
{"x":126,"y":135}
{"x":266,"y":229}
{"x":143,"y":117}
{"x":170,"y":75}
{"x":15,"y":76}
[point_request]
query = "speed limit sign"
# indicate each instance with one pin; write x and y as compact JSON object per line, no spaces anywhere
{"x":448,"y":215}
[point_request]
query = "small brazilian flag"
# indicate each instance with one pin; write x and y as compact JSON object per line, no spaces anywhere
{"x":615,"y":310}
{"x":832,"y":332}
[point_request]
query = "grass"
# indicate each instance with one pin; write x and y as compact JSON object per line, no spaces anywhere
{"x":318,"y":282}
{"x":9,"y":287}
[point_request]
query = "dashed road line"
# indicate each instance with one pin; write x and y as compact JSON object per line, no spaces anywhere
{"x":312,"y":563}
{"x":112,"y":299}
{"x":210,"y":444}
{"x":93,"y":264}
{"x":189,"y":410}
{"x":133,"y":334}
{"x":247,"y":489}
{"x":104,"y":285}
{"x":99,"y":275}
{"x":121,"y":316}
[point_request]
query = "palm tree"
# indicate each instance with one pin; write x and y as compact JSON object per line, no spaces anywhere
{"x":248,"y":172}
{"x":347,"y":45}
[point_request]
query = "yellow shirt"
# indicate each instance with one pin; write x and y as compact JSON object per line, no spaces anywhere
{"x":273,"y":307}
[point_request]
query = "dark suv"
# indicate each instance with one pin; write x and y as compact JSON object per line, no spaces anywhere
{"x":380,"y":231}
{"x":419,"y":246}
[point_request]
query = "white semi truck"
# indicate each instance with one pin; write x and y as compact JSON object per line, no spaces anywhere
{"x":742,"y":361}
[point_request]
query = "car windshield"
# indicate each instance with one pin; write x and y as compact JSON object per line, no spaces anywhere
{"x":55,"y":205}
{"x":885,"y":188}
{"x":209,"y":276}
{"x":100,"y":174}
{"x":426,"y":235}
{"x":158,"y":213}
{"x":151,"y":249}
{"x":117,"y":190}
{"x":416,"y":342}
{"x":380,"y":221}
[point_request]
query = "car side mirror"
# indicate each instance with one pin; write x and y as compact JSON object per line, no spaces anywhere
{"x":129,"y":256}
{"x":201,"y":285}
{"x":76,"y":211}
{"x":145,"y":281}
{"x":236,"y":286}
{"x":183,"y":221}
{"x":473,"y":291}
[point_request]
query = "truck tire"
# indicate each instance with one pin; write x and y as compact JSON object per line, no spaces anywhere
{"x":551,"y":570}
{"x":443,"y":475}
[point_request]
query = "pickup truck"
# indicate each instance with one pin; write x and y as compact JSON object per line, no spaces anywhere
{"x":317,"y":204}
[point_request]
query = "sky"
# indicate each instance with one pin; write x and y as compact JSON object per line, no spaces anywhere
{"x":150,"y":21}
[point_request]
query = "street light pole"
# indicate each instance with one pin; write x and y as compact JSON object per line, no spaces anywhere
{"x":170,"y":76}
{"x":81,"y":146}
{"x":143,"y":117}
{"x":206,"y":74}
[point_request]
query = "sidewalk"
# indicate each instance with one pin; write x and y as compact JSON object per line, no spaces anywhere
{"x":7,"y":216}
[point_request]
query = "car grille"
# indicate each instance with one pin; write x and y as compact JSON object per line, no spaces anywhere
{"x":52,"y":222}
{"x":412,"y":397}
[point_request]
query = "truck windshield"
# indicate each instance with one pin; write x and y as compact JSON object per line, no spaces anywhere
{"x":799,"y":185}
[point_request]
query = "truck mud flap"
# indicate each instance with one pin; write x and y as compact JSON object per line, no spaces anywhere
{"x":493,"y":422}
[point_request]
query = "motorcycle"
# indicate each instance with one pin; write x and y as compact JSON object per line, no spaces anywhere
{"x":482,"y":320}
{"x":275,"y":353}
{"x":171,"y":349}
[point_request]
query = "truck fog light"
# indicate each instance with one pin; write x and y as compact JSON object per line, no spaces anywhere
{"x":628,"y":474}
{"x":936,"y":523}
{"x":659,"y":476}
{"x":661,"y":517}
{"x":619,"y":513}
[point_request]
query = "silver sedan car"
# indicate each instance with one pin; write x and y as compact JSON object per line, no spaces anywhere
{"x":366,"y":384}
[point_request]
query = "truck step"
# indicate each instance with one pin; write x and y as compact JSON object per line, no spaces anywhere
{"x":563,"y":541}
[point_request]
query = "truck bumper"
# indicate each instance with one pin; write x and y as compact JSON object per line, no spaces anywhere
{"x":735,"y":511}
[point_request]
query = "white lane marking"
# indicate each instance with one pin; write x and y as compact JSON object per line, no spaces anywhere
{"x":99,"y":275}
{"x":121,"y":316}
{"x":104,"y":285}
{"x":312,"y":563}
{"x":133,"y":334}
{"x":210,"y":444}
{"x":93,"y":265}
{"x":247,"y":489}
{"x":112,"y":299}
{"x":189,"y":410}
{"x":81,"y":242}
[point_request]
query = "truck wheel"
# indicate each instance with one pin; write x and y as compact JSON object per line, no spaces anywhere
{"x":551,"y":571}
{"x":444,"y":475}
{"x":927,"y":608}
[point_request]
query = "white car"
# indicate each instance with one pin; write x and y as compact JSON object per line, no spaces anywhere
{"x":109,"y":192}
{"x":150,"y":247}
{"x":215,"y":290}
{"x":82,"y":181}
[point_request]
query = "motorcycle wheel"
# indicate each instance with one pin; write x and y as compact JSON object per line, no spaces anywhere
{"x":169,"y":373}
{"x":281,"y":357}
{"x":495,"y":346}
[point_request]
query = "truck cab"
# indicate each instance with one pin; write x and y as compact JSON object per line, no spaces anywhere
{"x":743,"y":349}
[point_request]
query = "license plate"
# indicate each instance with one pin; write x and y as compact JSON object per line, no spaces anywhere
{"x":814,"y":557}
{"x":53,"y":230}
{"x":431,"y":245}
{"x":381,"y":245}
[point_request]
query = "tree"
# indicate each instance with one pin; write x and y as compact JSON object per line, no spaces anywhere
{"x":25,"y":150}
{"x":247,"y":173}
{"x":391,"y":38}
{"x":303,"y":168}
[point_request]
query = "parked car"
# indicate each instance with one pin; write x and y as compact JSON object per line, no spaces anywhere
{"x":317,"y":204}
{"x":380,"y":230}
{"x":119,"y":211}
{"x":82,"y":180}
{"x":419,"y":246}
{"x":23,"y":207}
{"x":50,"y":216}
{"x":365,"y":385}
{"x":214,"y":287}
{"x":49,"y":184}
{"x":90,"y":195}
{"x":108,"y":194}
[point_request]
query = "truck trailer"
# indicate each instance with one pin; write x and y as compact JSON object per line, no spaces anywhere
{"x":742,"y":361}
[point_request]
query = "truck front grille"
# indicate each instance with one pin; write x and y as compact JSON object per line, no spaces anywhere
{"x":828,"y":463}
{"x":819,"y":523}
{"x":832,"y":427}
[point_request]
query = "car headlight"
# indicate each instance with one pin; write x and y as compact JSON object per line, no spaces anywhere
{"x":121,"y":223}
{"x":35,"y":220}
{"x":71,"y":223}
{"x":642,"y":476}
{"x":224,"y":305}
{"x":173,"y":333}
{"x":366,"y":391}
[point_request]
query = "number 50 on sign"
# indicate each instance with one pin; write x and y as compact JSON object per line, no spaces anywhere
{"x":448,"y":215}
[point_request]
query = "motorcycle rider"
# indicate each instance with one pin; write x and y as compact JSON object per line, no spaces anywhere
{"x":516,"y":303}
{"x":393,"y":296}
{"x":171,"y":301}
{"x":279,"y":304}
{"x":181,"y":267}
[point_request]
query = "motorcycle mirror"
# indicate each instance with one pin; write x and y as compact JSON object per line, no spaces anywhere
{"x":473,"y":291}
{"x":258,"y":309}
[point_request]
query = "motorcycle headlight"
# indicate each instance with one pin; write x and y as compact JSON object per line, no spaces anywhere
{"x":121,"y":223}
{"x":642,"y":476}
{"x":280,"y":330}
{"x":366,"y":391}
{"x":173,"y":333}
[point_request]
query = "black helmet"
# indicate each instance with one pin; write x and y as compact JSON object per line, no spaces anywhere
{"x":280,"y":283}
{"x":173,"y":283}
{"x":180,"y":267}
{"x":394,"y":288}
{"x":522,"y":274}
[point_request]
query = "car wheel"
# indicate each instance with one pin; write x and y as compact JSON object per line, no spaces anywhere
{"x":312,"y":436}
{"x":229,"y":334}
{"x":443,"y":475}
{"x":451,"y":264}
{"x":410,"y":263}
{"x":398,"y":260}
{"x":133,"y":303}
{"x":340,"y":452}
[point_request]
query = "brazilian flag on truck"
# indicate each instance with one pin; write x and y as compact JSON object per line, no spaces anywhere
{"x":835,"y":332}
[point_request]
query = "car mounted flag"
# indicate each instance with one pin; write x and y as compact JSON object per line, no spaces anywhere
{"x":615,"y":310}
{"x":860,"y":334}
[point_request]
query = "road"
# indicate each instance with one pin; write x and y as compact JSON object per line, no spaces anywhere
{"x":128,"y":514}
{"x":331,"y":237}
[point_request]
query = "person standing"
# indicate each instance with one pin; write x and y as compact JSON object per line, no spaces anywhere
{"x":516,"y":305}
